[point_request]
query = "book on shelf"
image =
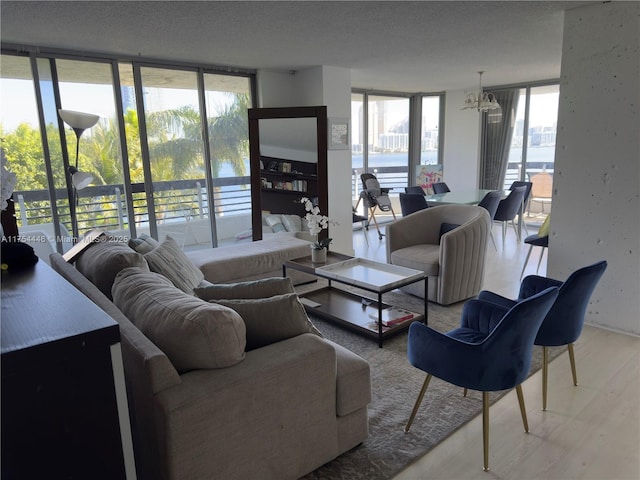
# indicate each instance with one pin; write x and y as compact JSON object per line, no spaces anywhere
{"x":392,"y":316}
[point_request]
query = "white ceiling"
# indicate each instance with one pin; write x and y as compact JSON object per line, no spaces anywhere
{"x":424,"y":46}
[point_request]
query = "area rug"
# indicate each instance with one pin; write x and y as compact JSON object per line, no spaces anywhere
{"x":395,"y":387}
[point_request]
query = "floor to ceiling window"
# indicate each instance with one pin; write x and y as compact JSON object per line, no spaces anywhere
{"x":175,"y":146}
{"x":430,"y":130}
{"x":22,"y":141}
{"x":384,"y":128}
{"x":532,"y":153}
{"x":388,"y":140}
{"x":159,"y":165}
{"x":88,"y":87}
{"x":227,"y":100}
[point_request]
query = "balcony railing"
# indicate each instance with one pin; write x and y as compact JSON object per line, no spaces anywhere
{"x":177,"y":201}
{"x":105,"y":206}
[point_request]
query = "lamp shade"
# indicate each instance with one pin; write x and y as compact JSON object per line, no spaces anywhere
{"x":80,"y":179}
{"x":78,"y":120}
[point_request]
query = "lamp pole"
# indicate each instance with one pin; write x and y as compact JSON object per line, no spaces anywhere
{"x":79,"y":122}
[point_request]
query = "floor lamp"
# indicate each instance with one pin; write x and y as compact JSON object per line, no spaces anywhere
{"x":79,"y":122}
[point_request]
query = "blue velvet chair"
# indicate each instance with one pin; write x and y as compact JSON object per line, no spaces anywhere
{"x":563,"y":324}
{"x":490,"y":351}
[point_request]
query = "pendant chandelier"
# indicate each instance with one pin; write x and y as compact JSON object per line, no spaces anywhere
{"x":481,"y":101}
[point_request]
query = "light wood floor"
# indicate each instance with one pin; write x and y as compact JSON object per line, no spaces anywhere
{"x":591,"y":431}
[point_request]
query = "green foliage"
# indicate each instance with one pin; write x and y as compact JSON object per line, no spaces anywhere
{"x":175,"y":146}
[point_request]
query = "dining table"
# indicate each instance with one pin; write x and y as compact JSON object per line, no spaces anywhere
{"x":460,"y":197}
{"x":468,"y":197}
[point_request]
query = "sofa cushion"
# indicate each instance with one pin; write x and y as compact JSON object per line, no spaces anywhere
{"x":144,"y":243}
{"x":169,"y":260}
{"x":102,"y":261}
{"x":447,"y":227}
{"x":270,"y":320}
{"x":194,"y":334}
{"x":267,"y":287}
{"x":232,"y":263}
{"x":275,"y":222}
{"x":292,"y":223}
{"x":425,"y":257}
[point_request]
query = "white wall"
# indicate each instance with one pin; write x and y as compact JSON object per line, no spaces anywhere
{"x":461,"y":143}
{"x":330,"y":86}
{"x":596,"y":199}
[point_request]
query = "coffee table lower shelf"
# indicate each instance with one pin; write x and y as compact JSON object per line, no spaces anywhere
{"x":346,"y":309}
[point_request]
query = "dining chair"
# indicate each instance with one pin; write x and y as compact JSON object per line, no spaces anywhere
{"x":490,"y":204}
{"x":563,"y":323}
{"x":490,"y":351}
{"x":440,"y":187}
{"x":535,"y":240}
{"x":525,"y":200}
{"x":540,"y":239}
{"x":508,"y":209}
{"x":415,"y":190}
{"x":541,"y":189}
{"x":411,"y":202}
{"x":357,"y":218}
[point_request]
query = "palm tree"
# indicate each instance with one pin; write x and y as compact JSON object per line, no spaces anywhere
{"x":228,"y":135}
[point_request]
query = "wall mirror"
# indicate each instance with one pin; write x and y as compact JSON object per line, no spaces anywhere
{"x":288,"y":149}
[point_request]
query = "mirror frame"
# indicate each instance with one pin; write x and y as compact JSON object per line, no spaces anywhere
{"x":256,"y":114}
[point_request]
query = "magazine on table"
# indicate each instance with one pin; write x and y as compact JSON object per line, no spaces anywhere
{"x":392,"y":315}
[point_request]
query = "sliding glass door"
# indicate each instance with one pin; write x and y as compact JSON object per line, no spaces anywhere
{"x":532,"y":153}
{"x":168,"y":155}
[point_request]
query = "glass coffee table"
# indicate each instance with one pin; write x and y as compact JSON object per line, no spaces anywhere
{"x":362,"y":313}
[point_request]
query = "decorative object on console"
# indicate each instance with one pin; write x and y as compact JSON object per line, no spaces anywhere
{"x":480,"y":100}
{"x":79,"y":122}
{"x":316,"y":223}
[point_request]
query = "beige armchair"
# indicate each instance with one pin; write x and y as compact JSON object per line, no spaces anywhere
{"x":454,"y":259}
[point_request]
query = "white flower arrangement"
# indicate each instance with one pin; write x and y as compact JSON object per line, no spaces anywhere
{"x":8,"y":180}
{"x":316,"y":223}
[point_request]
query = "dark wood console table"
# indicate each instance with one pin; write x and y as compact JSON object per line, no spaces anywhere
{"x":64,"y":407}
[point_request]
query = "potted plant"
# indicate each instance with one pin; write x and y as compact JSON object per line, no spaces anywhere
{"x":316,"y":223}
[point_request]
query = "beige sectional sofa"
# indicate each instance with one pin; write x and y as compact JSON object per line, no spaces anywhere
{"x":234,"y":388}
{"x":252,"y":260}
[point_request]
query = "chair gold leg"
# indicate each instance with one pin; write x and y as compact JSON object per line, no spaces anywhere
{"x":545,"y":376}
{"x":572,"y":359}
{"x":418,"y":402}
{"x":485,"y":430}
{"x":523,"y":411}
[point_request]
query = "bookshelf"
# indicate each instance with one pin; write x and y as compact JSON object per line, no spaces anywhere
{"x":284,"y":182}
{"x":288,"y":150}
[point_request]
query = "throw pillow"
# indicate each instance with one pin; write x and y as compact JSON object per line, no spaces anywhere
{"x":544,"y":228}
{"x":267,"y":287}
{"x":192,"y":333}
{"x":143,"y":244}
{"x":292,"y":223}
{"x":102,"y":261}
{"x":270,"y":320}
{"x":447,"y":227}
{"x":169,"y":260}
{"x":275,"y":222}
